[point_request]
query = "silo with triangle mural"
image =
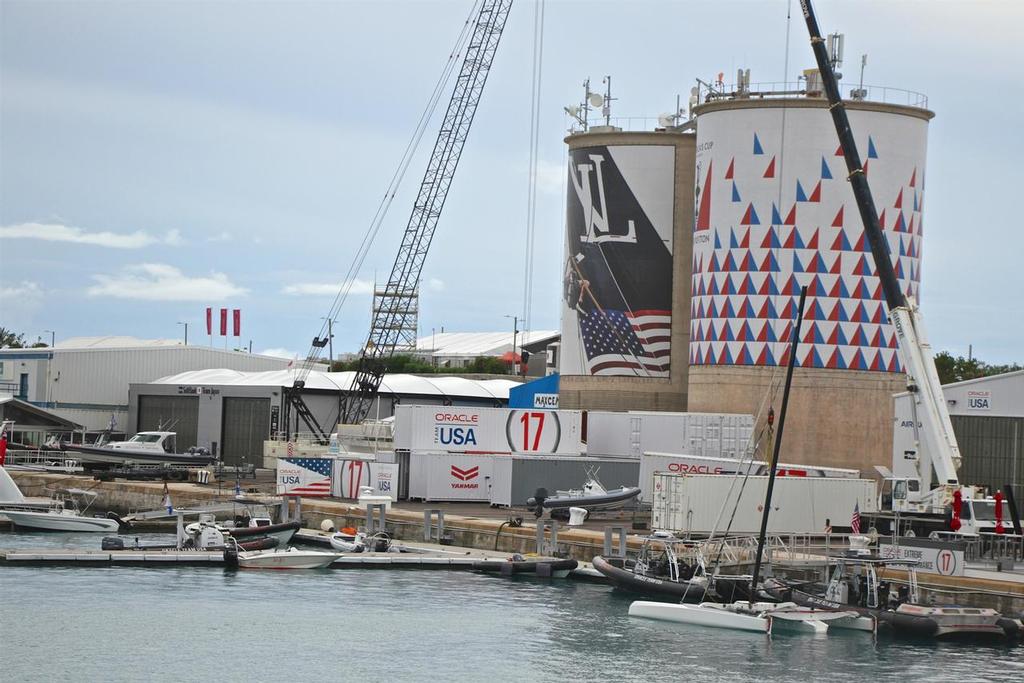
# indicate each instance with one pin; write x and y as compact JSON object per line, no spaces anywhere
{"x":773,"y":211}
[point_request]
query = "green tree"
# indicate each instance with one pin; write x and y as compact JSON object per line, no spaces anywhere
{"x":11,"y":340}
{"x":957,"y":368}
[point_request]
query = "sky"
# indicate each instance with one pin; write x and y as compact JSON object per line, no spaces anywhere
{"x":157,"y":158}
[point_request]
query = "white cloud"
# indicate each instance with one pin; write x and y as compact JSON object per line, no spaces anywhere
{"x":162,"y":282}
{"x":22,"y":292}
{"x":57,"y":232}
{"x":279,"y":352}
{"x":222,"y":236}
{"x":326,"y":289}
{"x":435,"y":284}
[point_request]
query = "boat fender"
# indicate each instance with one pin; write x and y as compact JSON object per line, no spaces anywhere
{"x":112,"y":543}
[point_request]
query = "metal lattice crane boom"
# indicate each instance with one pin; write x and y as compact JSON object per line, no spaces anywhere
{"x":394,"y":316}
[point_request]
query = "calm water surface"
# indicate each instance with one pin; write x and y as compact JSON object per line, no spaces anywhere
{"x":190,"y":624}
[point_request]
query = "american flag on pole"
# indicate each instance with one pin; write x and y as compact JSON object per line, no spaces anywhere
{"x":618,"y":341}
{"x":304,"y":476}
{"x":855,"y":520}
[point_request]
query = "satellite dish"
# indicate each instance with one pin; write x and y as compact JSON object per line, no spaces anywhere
{"x":666,"y":120}
{"x":596,"y":99}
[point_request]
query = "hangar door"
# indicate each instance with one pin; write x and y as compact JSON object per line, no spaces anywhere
{"x":245,"y":426}
{"x":171,"y":414}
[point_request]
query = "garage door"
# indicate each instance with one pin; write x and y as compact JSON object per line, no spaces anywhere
{"x":171,"y":414}
{"x":245,"y":426}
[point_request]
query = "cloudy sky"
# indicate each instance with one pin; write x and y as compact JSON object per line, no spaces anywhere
{"x":160,"y":157}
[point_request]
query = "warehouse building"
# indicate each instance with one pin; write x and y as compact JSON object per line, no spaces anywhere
{"x":232,"y":413}
{"x":988,"y":420}
{"x":85,"y":379}
{"x":459,"y":349}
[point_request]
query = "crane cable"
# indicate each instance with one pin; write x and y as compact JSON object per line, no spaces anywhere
{"x":531,"y":200}
{"x":440,"y":87}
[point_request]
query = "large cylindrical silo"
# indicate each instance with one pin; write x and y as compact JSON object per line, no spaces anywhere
{"x":773,"y":211}
{"x":626,"y":270}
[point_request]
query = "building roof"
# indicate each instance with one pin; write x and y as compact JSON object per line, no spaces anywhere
{"x":28,"y":416}
{"x":479,"y":343}
{"x":113,"y":342}
{"x":397,"y":384}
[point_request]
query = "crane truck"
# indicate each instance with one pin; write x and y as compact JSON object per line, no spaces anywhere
{"x":922,"y":493}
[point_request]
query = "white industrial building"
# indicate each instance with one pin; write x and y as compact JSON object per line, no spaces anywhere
{"x":86,"y":379}
{"x":232,"y":413}
{"x":458,"y":349}
{"x":988,"y":419}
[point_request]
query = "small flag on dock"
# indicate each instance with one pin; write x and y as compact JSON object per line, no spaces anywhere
{"x":855,"y":520}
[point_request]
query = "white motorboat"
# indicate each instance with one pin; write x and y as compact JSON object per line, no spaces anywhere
{"x":159,"y":448}
{"x":63,"y":514}
{"x":258,"y":527}
{"x":349,"y":543}
{"x":292,"y":558}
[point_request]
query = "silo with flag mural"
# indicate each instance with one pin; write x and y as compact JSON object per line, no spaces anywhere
{"x":773,"y":212}
{"x":625,"y":296}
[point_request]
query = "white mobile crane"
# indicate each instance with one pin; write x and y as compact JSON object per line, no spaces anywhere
{"x":925,"y":494}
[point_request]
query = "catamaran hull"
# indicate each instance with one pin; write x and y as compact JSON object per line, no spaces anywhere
{"x":700,"y":615}
{"x":50,"y":522}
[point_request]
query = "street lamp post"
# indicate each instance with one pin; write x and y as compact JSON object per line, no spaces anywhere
{"x":49,"y":362}
{"x":186,"y":331}
{"x":53,"y":337}
{"x":330,"y":340}
{"x":515,"y":333}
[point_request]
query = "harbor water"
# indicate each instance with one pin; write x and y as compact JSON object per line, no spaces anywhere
{"x":197,"y":623}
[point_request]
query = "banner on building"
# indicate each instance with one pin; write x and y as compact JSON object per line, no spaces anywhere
{"x":617,"y":279}
{"x":351,"y":475}
{"x":304,"y":477}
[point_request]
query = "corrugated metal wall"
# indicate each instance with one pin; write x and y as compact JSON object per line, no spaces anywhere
{"x":245,"y":425}
{"x":172,"y":414}
{"x":992,"y":450}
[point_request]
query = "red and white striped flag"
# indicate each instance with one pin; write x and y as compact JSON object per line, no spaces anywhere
{"x":855,"y":520}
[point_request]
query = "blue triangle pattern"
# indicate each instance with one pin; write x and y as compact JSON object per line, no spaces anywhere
{"x":777,"y":219}
{"x":801,"y":196}
{"x":757,"y":145}
{"x":735,"y":192}
{"x":872,"y":154}
{"x":825,"y":173}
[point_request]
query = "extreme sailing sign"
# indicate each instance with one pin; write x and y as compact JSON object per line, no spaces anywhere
{"x":932,"y":557}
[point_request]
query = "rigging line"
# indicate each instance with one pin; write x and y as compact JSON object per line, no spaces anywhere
{"x":392,"y":188}
{"x":531,"y":221}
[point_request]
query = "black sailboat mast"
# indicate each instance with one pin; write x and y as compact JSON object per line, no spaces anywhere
{"x":793,"y":344}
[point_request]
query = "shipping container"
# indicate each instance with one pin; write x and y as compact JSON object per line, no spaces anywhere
{"x":670,"y":463}
{"x":516,"y":478}
{"x":630,"y":434}
{"x":701,"y":503}
{"x":437,"y":476}
{"x":458,"y":429}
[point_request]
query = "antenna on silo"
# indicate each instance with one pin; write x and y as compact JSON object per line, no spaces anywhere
{"x":835,"y":49}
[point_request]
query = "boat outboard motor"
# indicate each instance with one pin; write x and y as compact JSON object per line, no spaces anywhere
{"x":536,"y":503}
{"x":123,"y":524}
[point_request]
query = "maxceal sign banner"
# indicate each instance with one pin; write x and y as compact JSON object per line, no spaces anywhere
{"x":487,"y":430}
{"x":617,"y":277}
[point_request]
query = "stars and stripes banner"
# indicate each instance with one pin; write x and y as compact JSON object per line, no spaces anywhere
{"x":637,"y":342}
{"x":855,"y":519}
{"x":304,"y":476}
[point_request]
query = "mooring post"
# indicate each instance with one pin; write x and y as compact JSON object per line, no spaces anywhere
{"x":428,"y":524}
{"x":547,"y":547}
{"x":609,"y":549}
{"x":375,"y":523}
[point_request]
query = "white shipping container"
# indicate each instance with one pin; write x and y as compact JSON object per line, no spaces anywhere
{"x":459,"y":429}
{"x":451,"y":476}
{"x":629,"y":434}
{"x":693,"y":503}
{"x":671,"y":463}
